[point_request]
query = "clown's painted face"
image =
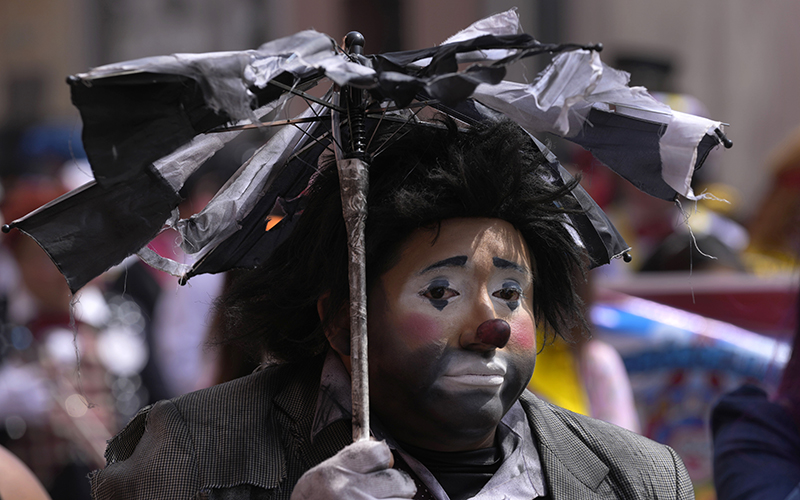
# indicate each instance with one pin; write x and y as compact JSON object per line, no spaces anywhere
{"x":437,"y":380}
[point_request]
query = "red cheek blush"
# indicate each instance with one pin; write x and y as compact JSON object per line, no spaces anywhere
{"x":523,"y":335}
{"x":420,"y":329}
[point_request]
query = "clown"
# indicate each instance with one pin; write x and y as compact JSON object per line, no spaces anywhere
{"x":468,"y":249}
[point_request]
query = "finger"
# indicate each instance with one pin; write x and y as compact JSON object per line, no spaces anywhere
{"x":366,"y":456}
{"x":389,"y":483}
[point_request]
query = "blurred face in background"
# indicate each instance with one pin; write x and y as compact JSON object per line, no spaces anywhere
{"x":37,"y":272}
{"x":41,"y":277}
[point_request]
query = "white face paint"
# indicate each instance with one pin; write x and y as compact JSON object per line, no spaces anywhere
{"x":433,"y":383}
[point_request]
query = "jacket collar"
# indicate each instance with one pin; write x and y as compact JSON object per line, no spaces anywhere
{"x":334,"y":401}
{"x":571,"y":469}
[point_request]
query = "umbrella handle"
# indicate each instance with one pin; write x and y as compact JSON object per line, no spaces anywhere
{"x":353,"y":181}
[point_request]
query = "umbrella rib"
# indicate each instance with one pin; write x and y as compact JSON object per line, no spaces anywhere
{"x":313,"y":109}
{"x":541,"y":49}
{"x":420,"y":104}
{"x":306,"y":96}
{"x":317,"y":140}
{"x":317,"y":117}
{"x":385,"y":144}
{"x":275,"y":123}
{"x":320,"y":117}
{"x":375,"y":131}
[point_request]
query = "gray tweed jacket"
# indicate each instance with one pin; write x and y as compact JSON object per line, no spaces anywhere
{"x":249,"y":439}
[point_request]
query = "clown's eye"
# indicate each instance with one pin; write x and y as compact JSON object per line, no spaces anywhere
{"x":509,"y":294}
{"x":439,"y":293}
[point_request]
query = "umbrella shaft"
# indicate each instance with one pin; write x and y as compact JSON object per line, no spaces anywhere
{"x":353,"y":182}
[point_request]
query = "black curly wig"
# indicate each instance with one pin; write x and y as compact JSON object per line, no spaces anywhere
{"x":422,"y":176}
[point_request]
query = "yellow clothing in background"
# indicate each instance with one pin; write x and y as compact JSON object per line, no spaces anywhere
{"x":557,"y":377}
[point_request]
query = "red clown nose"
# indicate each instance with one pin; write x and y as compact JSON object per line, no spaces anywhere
{"x":494,"y":332}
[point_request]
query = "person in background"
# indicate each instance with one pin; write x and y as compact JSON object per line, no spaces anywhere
{"x":775,"y":225}
{"x":757,"y":435}
{"x":757,"y":438}
{"x":70,"y":366}
{"x":16,"y":480}
{"x":586,"y":375}
{"x":41,"y":400}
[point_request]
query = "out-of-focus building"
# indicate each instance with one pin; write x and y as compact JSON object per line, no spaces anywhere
{"x":43,"y":41}
{"x":734,"y":56}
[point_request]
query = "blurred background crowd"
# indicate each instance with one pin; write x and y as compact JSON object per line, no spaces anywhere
{"x":673,"y":330}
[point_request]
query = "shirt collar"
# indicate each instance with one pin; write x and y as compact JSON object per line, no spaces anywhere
{"x":334,"y":402}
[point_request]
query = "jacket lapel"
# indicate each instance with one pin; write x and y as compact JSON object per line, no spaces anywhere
{"x":571,"y":469}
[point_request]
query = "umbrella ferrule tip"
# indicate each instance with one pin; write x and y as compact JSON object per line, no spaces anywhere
{"x":354,"y":42}
{"x":723,"y":138}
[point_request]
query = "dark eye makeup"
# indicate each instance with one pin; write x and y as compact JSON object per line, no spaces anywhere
{"x":511,"y":292}
{"x":439,"y":293}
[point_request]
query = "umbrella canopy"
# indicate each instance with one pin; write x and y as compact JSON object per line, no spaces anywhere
{"x":149,"y":124}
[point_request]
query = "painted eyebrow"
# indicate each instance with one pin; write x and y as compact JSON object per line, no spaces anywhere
{"x":507,"y":264}
{"x":457,"y":261}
